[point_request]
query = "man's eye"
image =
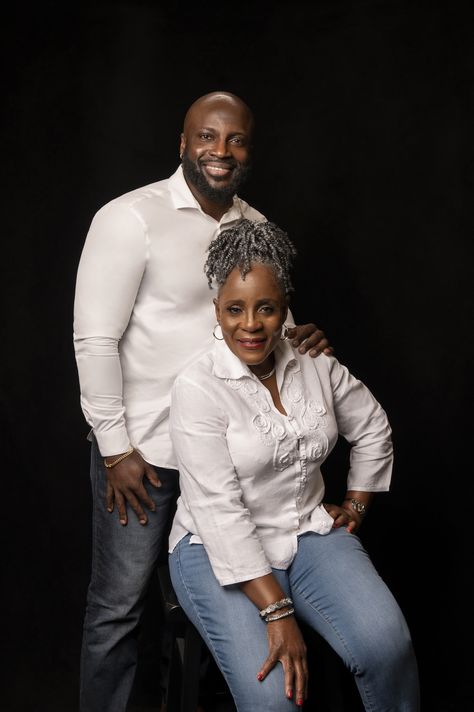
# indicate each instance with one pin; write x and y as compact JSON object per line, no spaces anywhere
{"x":239,"y":141}
{"x":205,"y":136}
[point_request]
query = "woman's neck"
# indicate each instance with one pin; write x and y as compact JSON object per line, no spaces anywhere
{"x":265,"y":369}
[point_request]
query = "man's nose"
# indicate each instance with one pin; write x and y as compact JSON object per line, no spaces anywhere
{"x":220,"y":147}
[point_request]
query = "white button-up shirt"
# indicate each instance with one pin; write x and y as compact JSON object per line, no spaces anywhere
{"x":250,"y":477}
{"x":143,"y":311}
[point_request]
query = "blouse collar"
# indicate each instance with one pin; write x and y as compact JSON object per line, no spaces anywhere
{"x":228,"y":365}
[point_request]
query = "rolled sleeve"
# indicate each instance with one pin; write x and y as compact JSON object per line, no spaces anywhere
{"x":210,"y":488}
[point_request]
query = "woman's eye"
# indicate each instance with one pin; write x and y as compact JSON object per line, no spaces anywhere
{"x":233,"y":310}
{"x":267,"y":310}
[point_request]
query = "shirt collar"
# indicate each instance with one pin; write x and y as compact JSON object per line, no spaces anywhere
{"x":228,"y":365}
{"x":182,"y":197}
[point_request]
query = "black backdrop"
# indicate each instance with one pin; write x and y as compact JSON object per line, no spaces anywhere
{"x":364,"y":154}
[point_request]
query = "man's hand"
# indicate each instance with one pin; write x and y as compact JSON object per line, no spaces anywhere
{"x":309,"y":338}
{"x":125,"y":484}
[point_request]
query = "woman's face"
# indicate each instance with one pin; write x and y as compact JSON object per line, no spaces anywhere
{"x":251,"y":312}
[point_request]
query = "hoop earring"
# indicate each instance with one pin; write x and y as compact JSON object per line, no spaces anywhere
{"x":284,"y":336}
{"x":214,"y":333}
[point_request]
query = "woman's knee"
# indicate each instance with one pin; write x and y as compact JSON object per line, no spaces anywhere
{"x":268,"y":695}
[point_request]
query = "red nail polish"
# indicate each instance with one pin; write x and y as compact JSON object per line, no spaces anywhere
{"x":300,"y":702}
{"x":289,"y":694}
{"x":260,"y":676}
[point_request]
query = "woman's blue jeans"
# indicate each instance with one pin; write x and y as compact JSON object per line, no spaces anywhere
{"x":336,"y":591}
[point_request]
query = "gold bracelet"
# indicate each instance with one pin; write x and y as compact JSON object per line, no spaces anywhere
{"x":119,"y":459}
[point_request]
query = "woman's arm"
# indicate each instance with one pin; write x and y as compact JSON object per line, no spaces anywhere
{"x":363,"y":423}
{"x":285,"y":642}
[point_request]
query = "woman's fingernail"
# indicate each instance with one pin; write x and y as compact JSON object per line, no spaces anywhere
{"x":289,"y":694}
{"x":260,"y":676}
{"x":300,"y":702}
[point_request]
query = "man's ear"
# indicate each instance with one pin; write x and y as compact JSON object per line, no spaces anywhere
{"x":182,"y":145}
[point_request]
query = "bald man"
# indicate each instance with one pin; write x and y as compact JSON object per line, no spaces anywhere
{"x":143,"y":311}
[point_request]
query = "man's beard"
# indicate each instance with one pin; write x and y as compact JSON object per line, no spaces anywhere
{"x":194,"y":175}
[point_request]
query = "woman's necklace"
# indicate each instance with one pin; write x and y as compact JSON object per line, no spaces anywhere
{"x":267,"y":375}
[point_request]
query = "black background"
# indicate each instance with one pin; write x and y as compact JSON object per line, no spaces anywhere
{"x":364,"y":154}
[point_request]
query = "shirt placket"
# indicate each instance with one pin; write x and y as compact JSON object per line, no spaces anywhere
{"x":301,"y":467}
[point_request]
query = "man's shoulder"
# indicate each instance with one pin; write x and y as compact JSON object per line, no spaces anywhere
{"x":156,"y":193}
{"x":250,"y":212}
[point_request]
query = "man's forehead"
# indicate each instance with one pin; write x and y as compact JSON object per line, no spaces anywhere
{"x":218,"y":110}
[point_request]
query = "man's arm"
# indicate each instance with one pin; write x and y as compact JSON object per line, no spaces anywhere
{"x":109,"y":275}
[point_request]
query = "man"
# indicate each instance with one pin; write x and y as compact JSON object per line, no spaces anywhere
{"x":142,"y":312}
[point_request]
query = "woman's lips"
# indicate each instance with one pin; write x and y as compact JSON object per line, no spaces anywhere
{"x":252,"y":344}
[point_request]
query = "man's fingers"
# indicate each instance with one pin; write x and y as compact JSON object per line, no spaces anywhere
{"x":300,"y":333}
{"x":121,"y":508}
{"x":315,"y":344}
{"x":109,"y":498}
{"x":145,"y":498}
{"x":136,"y":506}
{"x":151,"y":476}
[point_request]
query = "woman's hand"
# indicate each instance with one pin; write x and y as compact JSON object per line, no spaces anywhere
{"x":286,"y":644}
{"x":343,"y":516}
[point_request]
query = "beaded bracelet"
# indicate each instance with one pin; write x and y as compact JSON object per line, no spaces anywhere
{"x":285,"y":614}
{"x":109,"y":465}
{"x":276,"y":606}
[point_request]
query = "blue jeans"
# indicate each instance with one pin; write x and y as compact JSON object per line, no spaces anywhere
{"x":337,"y":591}
{"x":123,"y":560}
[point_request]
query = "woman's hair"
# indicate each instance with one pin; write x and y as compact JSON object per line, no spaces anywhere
{"x":248,"y":242}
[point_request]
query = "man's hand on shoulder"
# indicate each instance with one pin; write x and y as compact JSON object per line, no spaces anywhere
{"x":310,"y":339}
{"x":125,"y":485}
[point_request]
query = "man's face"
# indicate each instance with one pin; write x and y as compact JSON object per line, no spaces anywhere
{"x":215,"y":149}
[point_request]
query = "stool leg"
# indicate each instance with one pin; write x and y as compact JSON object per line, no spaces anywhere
{"x":174,"y":679}
{"x":191,"y":669}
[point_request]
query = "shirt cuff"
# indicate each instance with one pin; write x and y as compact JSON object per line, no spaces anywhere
{"x":113,"y":442}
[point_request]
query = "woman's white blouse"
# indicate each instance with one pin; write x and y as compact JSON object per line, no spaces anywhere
{"x":250,"y":477}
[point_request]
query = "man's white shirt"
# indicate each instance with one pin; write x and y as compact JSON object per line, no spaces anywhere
{"x":143,"y":311}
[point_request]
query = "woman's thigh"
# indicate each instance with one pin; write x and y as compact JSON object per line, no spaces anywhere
{"x":230,"y":625}
{"x":338,"y":592}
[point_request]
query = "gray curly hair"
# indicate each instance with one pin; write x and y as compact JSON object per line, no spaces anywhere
{"x":249,"y":242}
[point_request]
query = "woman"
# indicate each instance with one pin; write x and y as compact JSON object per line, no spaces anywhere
{"x":253,"y":546}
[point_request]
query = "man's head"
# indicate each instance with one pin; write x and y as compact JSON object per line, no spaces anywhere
{"x":215,"y":146}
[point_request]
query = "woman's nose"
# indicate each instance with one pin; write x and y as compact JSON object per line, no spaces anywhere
{"x":252,"y":322}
